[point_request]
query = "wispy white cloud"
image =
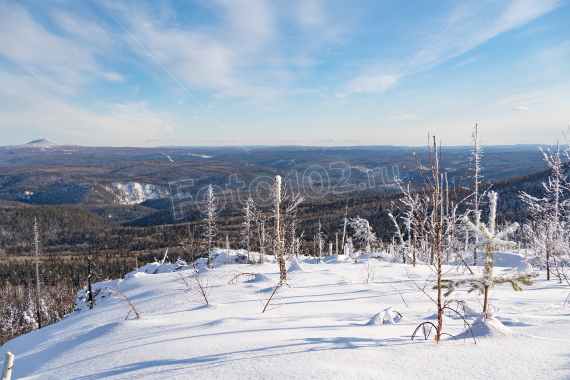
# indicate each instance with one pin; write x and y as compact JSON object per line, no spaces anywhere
{"x":466,"y":62}
{"x":258,"y":56}
{"x":470,"y":24}
{"x":368,"y":84}
{"x":61,"y":63}
{"x":520,"y":108}
{"x":480,"y":21}
{"x":23,"y":105}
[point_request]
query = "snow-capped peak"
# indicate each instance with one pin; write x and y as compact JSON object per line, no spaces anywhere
{"x":39,"y":144}
{"x":45,"y":143}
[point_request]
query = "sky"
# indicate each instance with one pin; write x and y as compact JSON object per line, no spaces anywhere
{"x":308,"y":72}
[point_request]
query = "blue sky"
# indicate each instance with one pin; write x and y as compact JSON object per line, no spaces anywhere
{"x":254,"y":72}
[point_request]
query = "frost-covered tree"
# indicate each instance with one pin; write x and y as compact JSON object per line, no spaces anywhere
{"x":277,"y":191}
{"x":249,"y":213}
{"x":284,"y":208}
{"x":262,"y":236}
{"x":90,"y":277}
{"x":336,"y":251}
{"x":227,"y":250}
{"x":477,"y":153}
{"x":344,"y":223}
{"x":37,"y":247}
{"x":434,"y":217}
{"x":405,"y":244}
{"x":491,"y":240}
{"x":363,"y":233}
{"x":320,"y":241}
{"x":548,"y":229}
{"x":209,"y":226}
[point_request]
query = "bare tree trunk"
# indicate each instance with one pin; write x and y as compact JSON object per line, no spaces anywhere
{"x":485,"y":302}
{"x":336,"y":235}
{"x":547,"y":262}
{"x":91,"y":301}
{"x":280,"y":254}
{"x":8,"y":365}
{"x":262,"y":247}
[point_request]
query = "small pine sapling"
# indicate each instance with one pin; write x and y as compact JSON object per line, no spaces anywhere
{"x":490,"y":240}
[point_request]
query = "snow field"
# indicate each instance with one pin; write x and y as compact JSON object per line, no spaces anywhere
{"x":316,"y":329}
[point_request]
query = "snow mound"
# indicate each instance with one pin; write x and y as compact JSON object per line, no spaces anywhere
{"x":330,"y":259}
{"x":219,"y":256}
{"x":512,"y":260}
{"x":259,"y":277}
{"x":153,"y":268}
{"x":387,"y":316}
{"x":488,"y":328}
{"x":508,"y":321}
{"x":383,"y":256}
{"x":295,"y":267}
{"x":433,"y":317}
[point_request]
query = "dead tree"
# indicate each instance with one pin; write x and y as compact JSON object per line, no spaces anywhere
{"x":89,"y":280}
{"x":209,"y":222}
{"x":37,"y":246}
{"x":433,"y":216}
{"x":284,"y":206}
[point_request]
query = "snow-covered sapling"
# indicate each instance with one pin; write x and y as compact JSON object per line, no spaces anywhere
{"x":249,"y":217}
{"x":279,"y":249}
{"x":490,"y":240}
{"x":548,"y":229}
{"x":363,"y":233}
{"x":369,"y":271}
{"x":477,"y":153}
{"x":209,"y":222}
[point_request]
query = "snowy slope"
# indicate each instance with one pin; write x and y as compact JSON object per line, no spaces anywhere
{"x":130,"y":193}
{"x":326,"y":326}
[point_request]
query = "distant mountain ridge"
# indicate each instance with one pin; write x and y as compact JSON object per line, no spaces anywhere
{"x":47,"y":143}
{"x":38,"y":144}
